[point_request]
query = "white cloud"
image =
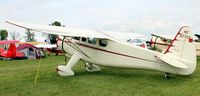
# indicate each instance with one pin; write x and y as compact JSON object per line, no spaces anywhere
{"x":155,"y":24}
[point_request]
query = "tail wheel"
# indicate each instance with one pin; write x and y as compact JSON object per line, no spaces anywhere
{"x":167,"y":76}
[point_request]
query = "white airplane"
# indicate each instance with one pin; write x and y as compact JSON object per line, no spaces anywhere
{"x":162,"y":42}
{"x":104,"y":48}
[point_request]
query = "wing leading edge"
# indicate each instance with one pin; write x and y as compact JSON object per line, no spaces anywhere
{"x":76,"y":32}
{"x":65,"y":31}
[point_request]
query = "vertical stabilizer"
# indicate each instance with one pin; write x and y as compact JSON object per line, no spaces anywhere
{"x":182,"y":47}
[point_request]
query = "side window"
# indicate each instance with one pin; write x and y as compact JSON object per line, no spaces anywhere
{"x":103,"y":43}
{"x":83,"y":39}
{"x":92,"y":40}
{"x":77,"y":38}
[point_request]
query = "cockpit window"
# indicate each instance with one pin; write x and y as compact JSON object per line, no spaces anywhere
{"x":92,"y":40}
{"x":103,"y":43}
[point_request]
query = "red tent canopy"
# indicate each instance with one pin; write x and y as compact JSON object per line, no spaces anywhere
{"x":9,"y":41}
{"x":25,"y":45}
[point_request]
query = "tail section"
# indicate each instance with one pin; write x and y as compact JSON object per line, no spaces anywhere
{"x":182,"y":43}
{"x":182,"y":52}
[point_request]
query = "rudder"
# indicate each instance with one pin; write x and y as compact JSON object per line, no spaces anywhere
{"x":182,"y":46}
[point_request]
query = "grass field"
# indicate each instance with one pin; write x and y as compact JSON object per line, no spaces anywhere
{"x":17,"y":79}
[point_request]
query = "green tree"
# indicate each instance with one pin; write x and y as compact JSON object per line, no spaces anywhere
{"x":30,"y":36}
{"x":53,"y":37}
{"x":3,"y":34}
{"x":56,"y":23}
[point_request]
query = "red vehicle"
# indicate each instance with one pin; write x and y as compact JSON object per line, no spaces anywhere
{"x":12,"y":52}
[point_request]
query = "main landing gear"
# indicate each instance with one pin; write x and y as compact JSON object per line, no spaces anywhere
{"x":91,"y":67}
{"x":167,"y":76}
{"x":66,"y":70}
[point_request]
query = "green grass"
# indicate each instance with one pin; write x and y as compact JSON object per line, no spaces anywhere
{"x":17,"y":79}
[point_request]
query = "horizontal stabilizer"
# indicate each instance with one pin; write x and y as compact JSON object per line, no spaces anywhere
{"x":174,"y":61}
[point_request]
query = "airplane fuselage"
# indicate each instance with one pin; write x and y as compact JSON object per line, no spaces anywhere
{"x":110,"y":53}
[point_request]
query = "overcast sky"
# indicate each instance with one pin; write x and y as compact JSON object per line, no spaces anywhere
{"x":138,"y":16}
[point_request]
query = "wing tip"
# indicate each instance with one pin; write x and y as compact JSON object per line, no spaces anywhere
{"x":8,"y":22}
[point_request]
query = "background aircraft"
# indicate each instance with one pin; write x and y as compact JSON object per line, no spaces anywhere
{"x":160,"y":42}
{"x":11,"y":53}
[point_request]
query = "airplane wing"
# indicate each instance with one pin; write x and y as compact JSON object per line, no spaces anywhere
{"x":8,"y":41}
{"x":119,"y":37}
{"x":64,"y":31}
{"x":46,"y":46}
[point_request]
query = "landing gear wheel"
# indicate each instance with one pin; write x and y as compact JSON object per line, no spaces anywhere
{"x":91,"y":67}
{"x":66,"y":70}
{"x":62,"y":70}
{"x":167,"y":76}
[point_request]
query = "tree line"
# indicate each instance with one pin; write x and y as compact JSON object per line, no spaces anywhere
{"x":30,"y":36}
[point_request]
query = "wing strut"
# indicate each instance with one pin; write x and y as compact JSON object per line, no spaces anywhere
{"x":69,"y":42}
